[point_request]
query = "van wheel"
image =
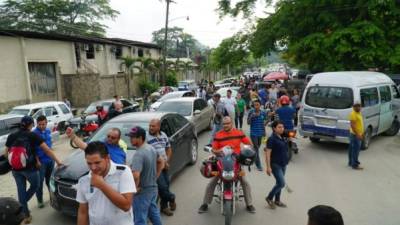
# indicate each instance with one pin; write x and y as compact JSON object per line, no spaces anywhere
{"x":314,"y":139}
{"x":394,"y":129}
{"x":367,"y":139}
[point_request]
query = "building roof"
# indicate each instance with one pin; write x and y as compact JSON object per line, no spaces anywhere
{"x":75,"y":38}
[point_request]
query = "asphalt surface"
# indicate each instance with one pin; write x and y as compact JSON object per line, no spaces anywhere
{"x":317,"y":175}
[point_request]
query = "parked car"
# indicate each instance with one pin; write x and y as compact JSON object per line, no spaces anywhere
{"x":88,"y":113}
{"x":8,"y":124}
{"x":57,"y":113}
{"x":196,"y":110}
{"x":175,"y":94}
{"x":328,"y":100}
{"x":178,"y":129}
{"x":187,"y":85}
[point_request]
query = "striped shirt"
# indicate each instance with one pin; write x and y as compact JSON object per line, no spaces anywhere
{"x":257,"y":123}
{"x":232,"y":138}
{"x":160,"y":143}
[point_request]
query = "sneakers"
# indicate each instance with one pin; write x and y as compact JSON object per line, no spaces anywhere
{"x":250,"y":209}
{"x":280,"y":204}
{"x":27,"y":220}
{"x":270,"y":203}
{"x":357,"y":168}
{"x":167,"y":212}
{"x":40,"y":205}
{"x":172,"y":206}
{"x":203,"y":208}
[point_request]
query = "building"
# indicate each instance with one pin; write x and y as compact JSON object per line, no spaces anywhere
{"x":38,"y":67}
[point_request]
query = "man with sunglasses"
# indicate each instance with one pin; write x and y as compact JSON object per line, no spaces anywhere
{"x":112,"y":141}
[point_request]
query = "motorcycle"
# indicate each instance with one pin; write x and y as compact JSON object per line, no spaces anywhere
{"x":292,"y":146}
{"x":84,"y":130}
{"x":227,"y":167}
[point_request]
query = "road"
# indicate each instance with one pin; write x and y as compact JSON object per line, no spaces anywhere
{"x":317,"y":175}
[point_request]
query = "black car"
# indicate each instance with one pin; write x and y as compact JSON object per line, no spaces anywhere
{"x":88,"y":113}
{"x":181,"y":134}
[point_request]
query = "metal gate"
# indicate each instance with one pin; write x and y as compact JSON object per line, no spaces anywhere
{"x":43,"y":81}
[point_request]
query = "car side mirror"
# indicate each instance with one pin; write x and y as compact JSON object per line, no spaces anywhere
{"x":197,"y":112}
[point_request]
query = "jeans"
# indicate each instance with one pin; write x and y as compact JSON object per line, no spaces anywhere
{"x":44,"y":175}
{"x":256,"y":144}
{"x":239,"y":120}
{"x":209,"y":193}
{"x":354,"y":150}
{"x":216,"y":128}
{"x":145,"y":206}
{"x":279,"y":174}
{"x":163,"y":190}
{"x":32,"y":176}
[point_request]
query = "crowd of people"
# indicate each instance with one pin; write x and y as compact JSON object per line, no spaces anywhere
{"x":119,"y":192}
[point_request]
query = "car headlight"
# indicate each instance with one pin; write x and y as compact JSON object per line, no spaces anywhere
{"x":52,"y":184}
{"x":228,"y":175}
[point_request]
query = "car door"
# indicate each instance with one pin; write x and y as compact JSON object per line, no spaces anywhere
{"x":370,"y":107}
{"x":395,"y":100}
{"x":386,"y":114}
{"x":175,"y":161}
{"x":65,"y":112}
{"x":52,"y":114}
{"x":197,"y":118}
{"x":205,"y":119}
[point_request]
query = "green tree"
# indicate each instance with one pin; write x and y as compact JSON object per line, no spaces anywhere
{"x":66,"y":17}
{"x":128,"y":64}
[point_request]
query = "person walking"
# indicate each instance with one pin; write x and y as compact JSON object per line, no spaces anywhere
{"x":46,"y":163}
{"x":257,"y":119}
{"x":240,"y":109}
{"x":219,"y":112}
{"x":67,"y":102}
{"x":273,"y":93}
{"x":105,"y":194}
{"x":356,"y":136}
{"x":21,"y":154}
{"x":230,"y":104}
{"x":276,"y":159}
{"x":146,"y":166}
{"x":160,"y":142}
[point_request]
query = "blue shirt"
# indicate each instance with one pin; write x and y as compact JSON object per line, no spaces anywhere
{"x":117,"y":154}
{"x":286,"y":114}
{"x":46,"y":136}
{"x":263,"y":96}
{"x":257,"y":123}
{"x":280,"y":151}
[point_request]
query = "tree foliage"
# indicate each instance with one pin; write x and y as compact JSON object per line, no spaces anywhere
{"x":65,"y":17}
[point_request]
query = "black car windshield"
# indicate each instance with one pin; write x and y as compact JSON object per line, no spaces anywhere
{"x":123,"y":126}
{"x":92,"y":107}
{"x":182,"y":108}
{"x":329,"y":97}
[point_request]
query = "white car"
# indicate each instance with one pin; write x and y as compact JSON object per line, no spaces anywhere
{"x":175,"y":94}
{"x":57,"y":113}
{"x":222,"y":91}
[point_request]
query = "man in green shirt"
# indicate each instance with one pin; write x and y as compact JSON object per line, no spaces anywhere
{"x":240,"y":108}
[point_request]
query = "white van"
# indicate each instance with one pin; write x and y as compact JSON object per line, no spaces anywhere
{"x":327,"y":102}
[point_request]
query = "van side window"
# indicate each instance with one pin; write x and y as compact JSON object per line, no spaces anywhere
{"x":395,"y":92}
{"x":386,"y":96}
{"x":369,"y":97}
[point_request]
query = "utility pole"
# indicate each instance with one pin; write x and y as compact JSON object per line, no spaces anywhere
{"x":164,"y":73}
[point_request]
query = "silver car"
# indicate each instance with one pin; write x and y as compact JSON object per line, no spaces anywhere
{"x":196,"y":110}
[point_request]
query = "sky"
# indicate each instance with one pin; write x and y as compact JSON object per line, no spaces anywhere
{"x":139,"y":18}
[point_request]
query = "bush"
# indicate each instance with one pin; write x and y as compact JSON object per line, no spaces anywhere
{"x":148,"y":85}
{"x":170,"y":79}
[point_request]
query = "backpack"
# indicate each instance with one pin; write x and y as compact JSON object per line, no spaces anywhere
{"x":20,"y":154}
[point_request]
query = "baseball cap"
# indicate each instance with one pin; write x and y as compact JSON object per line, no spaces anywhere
{"x":137,"y":132}
{"x":10,"y":211}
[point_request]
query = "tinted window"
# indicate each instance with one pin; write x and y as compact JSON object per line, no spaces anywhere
{"x":166,"y":128}
{"x":182,"y":108}
{"x":19,"y":112}
{"x":125,"y":103}
{"x":330,"y":97}
{"x":369,"y":97}
{"x":177,"y":122}
{"x":386,"y":95}
{"x":395,"y":92}
{"x":64,"y":108}
{"x":51,"y":111}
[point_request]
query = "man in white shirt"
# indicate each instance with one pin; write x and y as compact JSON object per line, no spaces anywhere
{"x":105,"y":194}
{"x":230,"y":104}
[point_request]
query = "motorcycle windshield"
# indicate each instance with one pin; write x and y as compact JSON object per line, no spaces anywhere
{"x":228,"y":163}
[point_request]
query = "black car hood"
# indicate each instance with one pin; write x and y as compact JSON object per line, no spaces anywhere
{"x":78,"y":119}
{"x":75,"y":167}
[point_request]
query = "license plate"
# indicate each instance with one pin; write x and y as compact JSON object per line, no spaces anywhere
{"x":326,"y":122}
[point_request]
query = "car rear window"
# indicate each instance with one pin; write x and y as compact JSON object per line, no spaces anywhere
{"x":329,"y":97}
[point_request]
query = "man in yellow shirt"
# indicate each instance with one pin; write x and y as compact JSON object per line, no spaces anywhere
{"x":356,"y":136}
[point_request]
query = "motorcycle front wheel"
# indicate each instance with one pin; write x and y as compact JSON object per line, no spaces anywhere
{"x":228,"y":211}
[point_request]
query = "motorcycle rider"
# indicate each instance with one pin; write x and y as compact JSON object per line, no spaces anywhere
{"x":233,"y":137}
{"x":101,"y":114}
{"x":286,"y":113}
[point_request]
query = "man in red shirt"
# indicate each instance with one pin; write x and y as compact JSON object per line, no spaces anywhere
{"x":228,"y":136}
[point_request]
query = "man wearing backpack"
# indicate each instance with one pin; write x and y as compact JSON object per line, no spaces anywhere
{"x":20,"y":150}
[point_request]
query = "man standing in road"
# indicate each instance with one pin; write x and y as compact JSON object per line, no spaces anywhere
{"x":276,"y":160}
{"x":46,"y":163}
{"x":219,"y":111}
{"x":230,"y":104}
{"x":160,"y":142}
{"x":257,"y":119}
{"x":105,"y":194}
{"x":146,"y":166}
{"x":356,"y":136}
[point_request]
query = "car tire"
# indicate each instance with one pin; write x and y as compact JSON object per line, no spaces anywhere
{"x":193,"y":152}
{"x":394,"y":129}
{"x":367,"y":139}
{"x":314,"y":140}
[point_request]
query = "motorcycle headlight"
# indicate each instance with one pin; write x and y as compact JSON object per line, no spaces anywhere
{"x":228,"y":175}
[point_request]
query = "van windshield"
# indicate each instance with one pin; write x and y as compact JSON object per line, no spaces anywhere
{"x":330,"y":97}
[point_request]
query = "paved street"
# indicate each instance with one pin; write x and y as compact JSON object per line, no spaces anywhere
{"x":318,"y":175}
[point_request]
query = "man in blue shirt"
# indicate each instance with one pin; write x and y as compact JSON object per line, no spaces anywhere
{"x":112,"y":141}
{"x":263,"y":96}
{"x":46,"y":163}
{"x":286,"y":113}
{"x":257,"y":119}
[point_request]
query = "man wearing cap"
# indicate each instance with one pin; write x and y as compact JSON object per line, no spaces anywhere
{"x":29,"y":173}
{"x":146,"y":166}
{"x":356,"y":136}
